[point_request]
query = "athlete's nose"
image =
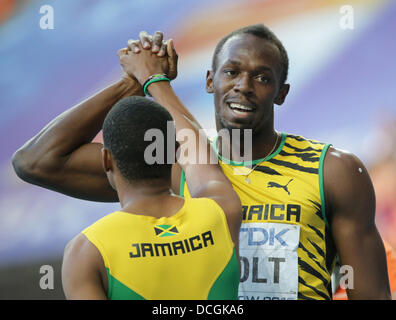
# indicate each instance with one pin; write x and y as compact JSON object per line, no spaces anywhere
{"x":243,"y":84}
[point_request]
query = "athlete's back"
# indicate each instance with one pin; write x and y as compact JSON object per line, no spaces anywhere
{"x":189,"y":255}
{"x":133,"y":244}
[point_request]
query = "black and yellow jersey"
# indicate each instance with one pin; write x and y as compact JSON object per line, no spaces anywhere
{"x":285,"y":246}
{"x":189,"y":255}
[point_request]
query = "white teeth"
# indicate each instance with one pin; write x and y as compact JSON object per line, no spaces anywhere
{"x":240,"y":107}
{"x":238,"y":111}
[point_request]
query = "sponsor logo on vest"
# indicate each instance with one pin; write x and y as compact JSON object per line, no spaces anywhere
{"x":265,"y":236}
{"x":272,"y":184}
{"x":147,"y":249}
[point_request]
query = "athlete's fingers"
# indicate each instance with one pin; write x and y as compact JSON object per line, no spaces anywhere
{"x":145,"y":39}
{"x":122,"y":52}
{"x":157,"y":41}
{"x":172,"y":60}
{"x":162,"y":51}
{"x":170,"y":49}
{"x":134,"y":46}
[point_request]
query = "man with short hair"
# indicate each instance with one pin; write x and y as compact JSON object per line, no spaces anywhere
{"x":159,"y":245}
{"x":303,"y":201}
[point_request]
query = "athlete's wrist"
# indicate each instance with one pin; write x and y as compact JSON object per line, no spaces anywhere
{"x":128,"y":86}
{"x":159,"y":87}
{"x":158,"y":77}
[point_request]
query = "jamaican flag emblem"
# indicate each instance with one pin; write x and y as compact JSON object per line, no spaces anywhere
{"x":164,"y":230}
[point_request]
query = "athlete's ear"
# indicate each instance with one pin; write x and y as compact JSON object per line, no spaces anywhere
{"x":209,"y":81}
{"x":107,"y":160}
{"x":283,"y":91}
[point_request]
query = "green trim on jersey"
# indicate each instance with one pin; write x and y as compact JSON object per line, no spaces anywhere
{"x":289,"y":189}
{"x":142,"y":265}
{"x":235,"y":163}
{"x":121,"y":291}
{"x":223,"y":288}
{"x":321,"y":186}
{"x":253,"y":162}
{"x":182,"y":183}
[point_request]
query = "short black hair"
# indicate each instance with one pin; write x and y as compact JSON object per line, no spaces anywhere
{"x":124,"y":129}
{"x":261,"y":31}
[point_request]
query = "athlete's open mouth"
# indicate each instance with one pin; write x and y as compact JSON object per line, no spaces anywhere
{"x":240,"y":109}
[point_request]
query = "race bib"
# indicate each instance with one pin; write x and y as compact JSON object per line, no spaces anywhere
{"x":269,"y":261}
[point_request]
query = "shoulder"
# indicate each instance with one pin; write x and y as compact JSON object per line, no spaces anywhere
{"x":308,"y":150}
{"x":301,"y":140}
{"x":108,"y":223}
{"x":343,"y":168}
{"x":80,"y":247}
{"x":347,"y":184}
{"x":77,"y":243}
{"x":81,"y":254}
{"x":341,"y":159}
{"x":83,"y":271}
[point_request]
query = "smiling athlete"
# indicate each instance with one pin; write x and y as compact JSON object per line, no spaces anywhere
{"x":303,"y":201}
{"x":320,"y":201}
{"x":158,"y":245}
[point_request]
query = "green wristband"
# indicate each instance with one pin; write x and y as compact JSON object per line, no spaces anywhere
{"x":152,"y":79}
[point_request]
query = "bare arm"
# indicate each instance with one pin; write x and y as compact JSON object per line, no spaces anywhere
{"x":61,"y":156}
{"x":160,"y":47}
{"x":204,"y":178}
{"x":83,"y":272}
{"x":350,"y":202}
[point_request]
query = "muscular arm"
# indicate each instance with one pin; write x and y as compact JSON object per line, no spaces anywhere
{"x":83,"y":272}
{"x":204,"y":175}
{"x":61,"y":156}
{"x":350,"y":203}
{"x":204,"y":178}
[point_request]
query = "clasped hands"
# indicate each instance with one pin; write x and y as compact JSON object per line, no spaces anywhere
{"x":148,"y":56}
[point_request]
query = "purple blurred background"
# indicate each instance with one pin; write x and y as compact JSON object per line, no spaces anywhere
{"x":342,"y":92}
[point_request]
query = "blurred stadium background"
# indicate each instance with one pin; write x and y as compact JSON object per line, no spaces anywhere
{"x":342,"y":91}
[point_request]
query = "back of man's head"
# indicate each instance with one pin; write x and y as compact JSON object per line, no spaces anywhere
{"x":124,"y":130}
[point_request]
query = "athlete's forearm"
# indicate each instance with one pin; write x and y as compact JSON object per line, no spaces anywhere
{"x":73,"y":128}
{"x":201,"y":167}
{"x":164,"y":94}
{"x":81,"y":123}
{"x":199,"y":162}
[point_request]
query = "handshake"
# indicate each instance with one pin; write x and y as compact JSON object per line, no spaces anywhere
{"x":148,"y":56}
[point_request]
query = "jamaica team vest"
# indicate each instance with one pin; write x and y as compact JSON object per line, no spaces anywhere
{"x":285,"y":247}
{"x":189,"y":255}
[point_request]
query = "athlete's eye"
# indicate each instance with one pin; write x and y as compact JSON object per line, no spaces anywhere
{"x":229,"y":72}
{"x":263,"y":79}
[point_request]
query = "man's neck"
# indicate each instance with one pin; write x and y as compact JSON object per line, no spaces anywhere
{"x":260,"y":146}
{"x":143,"y":197}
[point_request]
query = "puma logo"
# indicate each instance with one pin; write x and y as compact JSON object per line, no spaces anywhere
{"x":272,"y":184}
